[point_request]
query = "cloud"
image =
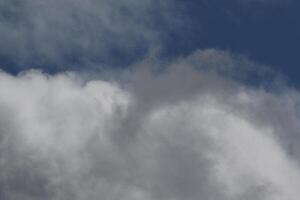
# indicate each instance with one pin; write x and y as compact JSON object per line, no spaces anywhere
{"x":185,"y":132}
{"x":69,"y":32}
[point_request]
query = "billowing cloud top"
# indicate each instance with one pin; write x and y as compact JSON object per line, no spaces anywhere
{"x":186,"y":132}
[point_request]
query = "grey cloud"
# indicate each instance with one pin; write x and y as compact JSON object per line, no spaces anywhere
{"x":187,"y":132}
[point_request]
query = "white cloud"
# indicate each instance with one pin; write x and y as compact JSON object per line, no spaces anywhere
{"x":183,"y":133}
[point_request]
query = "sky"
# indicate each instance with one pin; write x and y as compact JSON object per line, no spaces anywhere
{"x":149,"y":100}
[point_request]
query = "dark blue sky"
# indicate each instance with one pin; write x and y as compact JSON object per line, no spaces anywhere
{"x":268,"y":32}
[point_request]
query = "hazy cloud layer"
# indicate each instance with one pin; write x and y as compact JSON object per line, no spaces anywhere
{"x":93,"y":34}
{"x":182,"y":133}
{"x":49,"y":33}
{"x":62,"y":34}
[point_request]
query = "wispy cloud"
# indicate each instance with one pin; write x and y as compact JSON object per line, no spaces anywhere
{"x":48,"y":33}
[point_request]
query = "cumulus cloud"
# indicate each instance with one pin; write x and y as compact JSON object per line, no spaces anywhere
{"x":185,"y":132}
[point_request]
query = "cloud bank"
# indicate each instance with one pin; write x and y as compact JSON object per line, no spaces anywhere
{"x":186,"y":132}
